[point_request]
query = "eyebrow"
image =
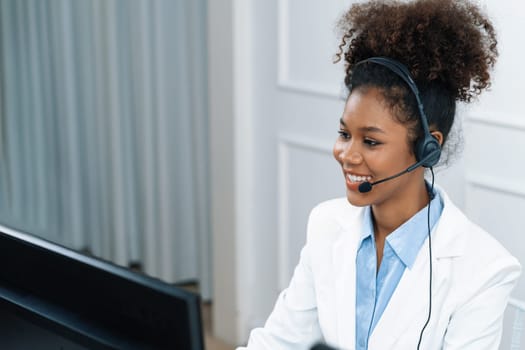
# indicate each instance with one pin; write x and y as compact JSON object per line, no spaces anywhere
{"x":365,"y":128}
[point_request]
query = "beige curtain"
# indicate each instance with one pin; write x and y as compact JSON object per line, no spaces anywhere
{"x":104,"y":129}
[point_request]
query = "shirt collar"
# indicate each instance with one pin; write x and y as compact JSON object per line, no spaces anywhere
{"x":408,"y":238}
{"x":367,"y":229}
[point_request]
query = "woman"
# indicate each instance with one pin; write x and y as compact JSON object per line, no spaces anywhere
{"x":395,"y":265}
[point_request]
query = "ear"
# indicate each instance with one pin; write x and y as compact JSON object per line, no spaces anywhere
{"x":438,"y":135}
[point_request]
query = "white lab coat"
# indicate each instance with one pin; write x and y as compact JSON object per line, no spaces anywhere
{"x":473,"y":276}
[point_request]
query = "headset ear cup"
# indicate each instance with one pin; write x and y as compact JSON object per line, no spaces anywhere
{"x":428,"y":150}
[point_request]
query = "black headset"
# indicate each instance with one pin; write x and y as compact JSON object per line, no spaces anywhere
{"x":427,"y":147}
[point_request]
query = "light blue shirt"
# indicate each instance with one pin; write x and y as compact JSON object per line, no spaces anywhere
{"x":374,"y":290}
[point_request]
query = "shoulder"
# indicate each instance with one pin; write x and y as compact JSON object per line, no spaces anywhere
{"x":478,"y":257}
{"x":468,"y":236}
{"x":479,"y":273}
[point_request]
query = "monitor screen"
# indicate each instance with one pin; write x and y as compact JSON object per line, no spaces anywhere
{"x":52,"y":297}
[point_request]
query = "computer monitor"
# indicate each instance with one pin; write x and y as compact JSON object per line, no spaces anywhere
{"x":52,"y":297}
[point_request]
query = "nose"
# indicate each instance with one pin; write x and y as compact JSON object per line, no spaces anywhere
{"x":352,"y":157}
{"x":346,"y":154}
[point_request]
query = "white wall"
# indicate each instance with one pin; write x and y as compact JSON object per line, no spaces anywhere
{"x":495,"y":139}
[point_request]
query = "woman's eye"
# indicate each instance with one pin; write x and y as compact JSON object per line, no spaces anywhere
{"x":343,"y":134}
{"x":371,"y":142}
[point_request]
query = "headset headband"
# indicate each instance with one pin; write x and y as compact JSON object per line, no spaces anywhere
{"x":402,"y":71}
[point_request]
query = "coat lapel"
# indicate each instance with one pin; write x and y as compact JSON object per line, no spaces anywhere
{"x":408,"y":304}
{"x":344,"y":253}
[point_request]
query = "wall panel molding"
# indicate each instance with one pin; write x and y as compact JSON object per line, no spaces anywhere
{"x":286,"y":145}
{"x":495,"y":184}
{"x":491,"y":124}
{"x":284,"y":80}
{"x":511,"y":121}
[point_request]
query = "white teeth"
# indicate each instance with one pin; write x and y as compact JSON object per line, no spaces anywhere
{"x":356,"y":178}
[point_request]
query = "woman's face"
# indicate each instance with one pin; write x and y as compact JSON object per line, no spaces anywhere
{"x":373,"y":145}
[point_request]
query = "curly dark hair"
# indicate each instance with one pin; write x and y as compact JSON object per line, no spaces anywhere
{"x":449,"y":47}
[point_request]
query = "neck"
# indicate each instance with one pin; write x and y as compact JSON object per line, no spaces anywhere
{"x":390,"y":215}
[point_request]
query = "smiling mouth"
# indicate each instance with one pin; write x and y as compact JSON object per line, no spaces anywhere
{"x":358,"y":178}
